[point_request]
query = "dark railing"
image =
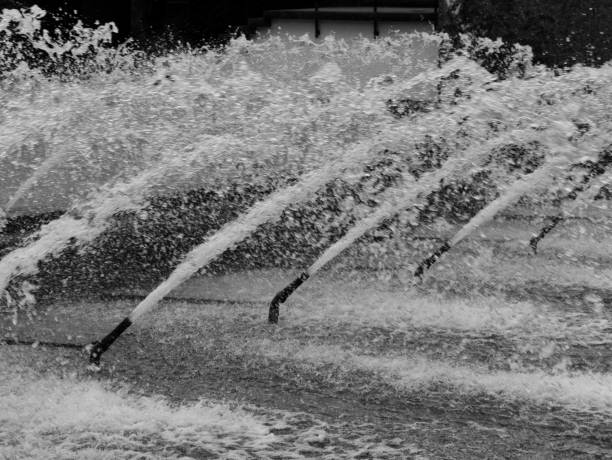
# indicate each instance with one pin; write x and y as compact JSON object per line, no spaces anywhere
{"x":314,"y":10}
{"x":276,"y":5}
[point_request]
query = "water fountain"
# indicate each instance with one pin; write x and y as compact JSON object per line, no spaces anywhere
{"x":362,"y":142}
{"x":272,"y":207}
{"x":509,"y":197}
{"x":592,"y":182}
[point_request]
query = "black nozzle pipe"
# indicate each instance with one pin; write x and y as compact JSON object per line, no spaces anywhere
{"x":533,"y":242}
{"x":596,"y":169}
{"x":283,"y":295}
{"x":97,"y":348}
{"x":429,"y":261}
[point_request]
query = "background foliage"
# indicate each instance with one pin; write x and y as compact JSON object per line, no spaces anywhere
{"x":560,"y":32}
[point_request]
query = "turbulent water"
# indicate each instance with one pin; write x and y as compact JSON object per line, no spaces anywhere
{"x":497,"y":352}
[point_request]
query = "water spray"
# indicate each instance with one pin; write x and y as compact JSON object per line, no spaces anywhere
{"x":131,"y":195}
{"x":273,"y":207}
{"x":596,"y":170}
{"x":534,"y":180}
{"x":518,"y":189}
{"x":577,"y":199}
{"x":471,"y":116}
{"x":513,"y":194}
{"x":394,"y":201}
{"x":31,"y":181}
{"x":232,"y":233}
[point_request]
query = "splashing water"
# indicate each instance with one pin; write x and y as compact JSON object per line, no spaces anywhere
{"x":478,"y":107}
{"x":210,"y":155}
{"x":394,"y":201}
{"x":536,"y":180}
{"x":271,"y":208}
{"x":61,"y":416}
{"x":183,"y":99}
{"x":101,"y":132}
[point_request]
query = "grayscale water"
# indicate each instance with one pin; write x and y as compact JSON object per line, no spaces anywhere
{"x":496,"y":353}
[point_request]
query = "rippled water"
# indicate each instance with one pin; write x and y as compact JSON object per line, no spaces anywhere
{"x":353,"y":370}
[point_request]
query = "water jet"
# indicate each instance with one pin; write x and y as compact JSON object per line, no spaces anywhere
{"x":538,"y":178}
{"x":594,"y":170}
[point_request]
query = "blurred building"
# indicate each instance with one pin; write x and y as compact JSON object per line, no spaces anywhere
{"x":196,"y":20}
{"x":345,"y":19}
{"x":317,"y":18}
{"x":561,"y":32}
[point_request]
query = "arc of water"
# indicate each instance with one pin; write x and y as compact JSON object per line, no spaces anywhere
{"x":576,"y":201}
{"x":533,"y":181}
{"x":576,"y":196}
{"x":481,"y":108}
{"x":230,"y":235}
{"x":49,"y":163}
{"x":126,"y":195}
{"x":93,"y":215}
{"x":393,"y":202}
{"x":391,"y":207}
{"x":260,"y":213}
{"x":273,"y":207}
{"x":235,"y":232}
{"x":40,"y":171}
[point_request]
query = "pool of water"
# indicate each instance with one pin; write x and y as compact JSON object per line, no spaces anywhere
{"x":349,"y":372}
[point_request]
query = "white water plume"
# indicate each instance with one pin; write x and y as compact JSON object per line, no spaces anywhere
{"x":538,"y":179}
{"x":98,"y":131}
{"x":287,"y":121}
{"x":271,"y":208}
{"x":402,"y":197}
{"x":130,"y":195}
{"x":236,"y":231}
{"x":31,"y":181}
{"x":89,"y":219}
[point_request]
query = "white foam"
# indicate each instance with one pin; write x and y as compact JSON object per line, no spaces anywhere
{"x":45,"y":416}
{"x":401,"y":311}
{"x":67,"y":418}
{"x":583,"y":391}
{"x":357,"y":304}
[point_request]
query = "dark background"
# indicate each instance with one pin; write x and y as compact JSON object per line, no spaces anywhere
{"x":561,"y":32}
{"x":190,"y":20}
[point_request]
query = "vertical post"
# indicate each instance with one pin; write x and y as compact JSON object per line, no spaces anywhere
{"x":376,"y":31}
{"x":443,"y":15}
{"x":316,"y":20}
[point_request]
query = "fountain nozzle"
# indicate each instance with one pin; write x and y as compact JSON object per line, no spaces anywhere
{"x":96,"y":349}
{"x":282,"y":296}
{"x":95,"y":352}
